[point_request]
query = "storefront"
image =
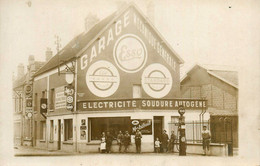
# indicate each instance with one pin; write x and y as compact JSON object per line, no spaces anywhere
{"x":127,"y":77}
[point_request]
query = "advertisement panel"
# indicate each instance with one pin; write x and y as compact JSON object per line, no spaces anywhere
{"x":43,"y":105}
{"x":129,"y":52}
{"x":150,"y":104}
{"x":144,"y":125}
{"x":60,"y":98}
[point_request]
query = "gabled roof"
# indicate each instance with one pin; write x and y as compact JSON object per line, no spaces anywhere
{"x":19,"y":82}
{"x":219,"y":112}
{"x":227,"y":75}
{"x":80,"y":43}
{"x":75,"y":45}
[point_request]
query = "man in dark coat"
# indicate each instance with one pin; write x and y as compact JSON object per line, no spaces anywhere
{"x":109,"y":139}
{"x":138,"y":138}
{"x":171,"y":142}
{"x":120,"y":138}
{"x":165,"y":139}
{"x":127,"y":140}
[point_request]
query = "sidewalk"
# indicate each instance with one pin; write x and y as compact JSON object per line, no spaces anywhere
{"x":31,"y":151}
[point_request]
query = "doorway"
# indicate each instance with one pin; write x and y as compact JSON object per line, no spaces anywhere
{"x":158,"y":126}
{"x":59,"y":134}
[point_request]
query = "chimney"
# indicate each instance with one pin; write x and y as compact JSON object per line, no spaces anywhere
{"x":150,"y":10}
{"x":20,"y":70}
{"x":90,"y":21}
{"x":120,"y":4}
{"x":31,"y":60}
{"x":48,"y":54}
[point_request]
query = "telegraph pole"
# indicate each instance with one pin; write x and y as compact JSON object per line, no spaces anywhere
{"x":58,"y":45}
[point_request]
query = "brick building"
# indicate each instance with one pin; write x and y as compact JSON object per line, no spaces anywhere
{"x":124,"y":76}
{"x":220,"y":87}
{"x":22,"y":100}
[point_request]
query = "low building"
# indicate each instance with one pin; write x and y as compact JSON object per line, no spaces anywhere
{"x":219,"y":86}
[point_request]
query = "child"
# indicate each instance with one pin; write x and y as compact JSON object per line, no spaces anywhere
{"x":157,"y":145}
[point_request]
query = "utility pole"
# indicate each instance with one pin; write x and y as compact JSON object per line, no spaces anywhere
{"x":58,"y":45}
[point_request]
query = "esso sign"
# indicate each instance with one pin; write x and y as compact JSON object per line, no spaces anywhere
{"x":135,"y":122}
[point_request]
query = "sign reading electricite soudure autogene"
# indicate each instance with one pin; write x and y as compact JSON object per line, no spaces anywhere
{"x":164,"y":104}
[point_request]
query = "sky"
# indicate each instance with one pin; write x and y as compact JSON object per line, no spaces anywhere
{"x":217,"y":32}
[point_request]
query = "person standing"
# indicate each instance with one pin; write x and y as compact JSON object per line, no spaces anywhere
{"x":165,"y":139}
{"x":171,"y":142}
{"x":157,"y":145}
{"x":103,"y":143}
{"x":138,"y":138}
{"x":120,"y":138}
{"x":206,"y":139}
{"x":109,"y":139}
{"x":127,"y":140}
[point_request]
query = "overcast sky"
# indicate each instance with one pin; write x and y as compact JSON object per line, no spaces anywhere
{"x":219,"y":32}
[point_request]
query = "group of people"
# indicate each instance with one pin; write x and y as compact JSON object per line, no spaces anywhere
{"x":122,"y":140}
{"x":166,"y":144}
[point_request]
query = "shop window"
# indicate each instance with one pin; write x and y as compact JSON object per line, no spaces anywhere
{"x":42,"y":130}
{"x":137,"y":92}
{"x":68,"y":129}
{"x":174,"y":126}
{"x":113,"y":125}
{"x":51,"y":130}
{"x":51,"y":99}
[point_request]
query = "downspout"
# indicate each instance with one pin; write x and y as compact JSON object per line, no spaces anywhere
{"x":75,"y":103}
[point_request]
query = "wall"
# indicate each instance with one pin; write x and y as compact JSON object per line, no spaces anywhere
{"x":128,"y":26}
{"x":218,"y":93}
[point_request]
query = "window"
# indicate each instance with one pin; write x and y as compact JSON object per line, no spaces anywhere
{"x":51,"y":130}
{"x":20,"y":102}
{"x":52,"y":98}
{"x":113,"y":125}
{"x":42,"y":130}
{"x":16,"y":104}
{"x":68,"y":129}
{"x":43,"y":94}
{"x":137,"y":92}
{"x":35,"y":102}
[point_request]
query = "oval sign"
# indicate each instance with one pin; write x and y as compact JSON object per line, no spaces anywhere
{"x":102,"y":78}
{"x":135,"y":122}
{"x":130,"y":53}
{"x":156,"y":80}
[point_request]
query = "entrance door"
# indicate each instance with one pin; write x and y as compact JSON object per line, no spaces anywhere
{"x":59,"y":134}
{"x":35,"y":133}
{"x":158,"y":126}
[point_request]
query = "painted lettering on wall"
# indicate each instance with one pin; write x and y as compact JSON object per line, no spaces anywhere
{"x":194,"y":104}
{"x":154,"y":42}
{"x":104,"y":41}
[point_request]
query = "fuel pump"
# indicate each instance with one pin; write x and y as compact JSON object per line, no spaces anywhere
{"x":181,"y":128}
